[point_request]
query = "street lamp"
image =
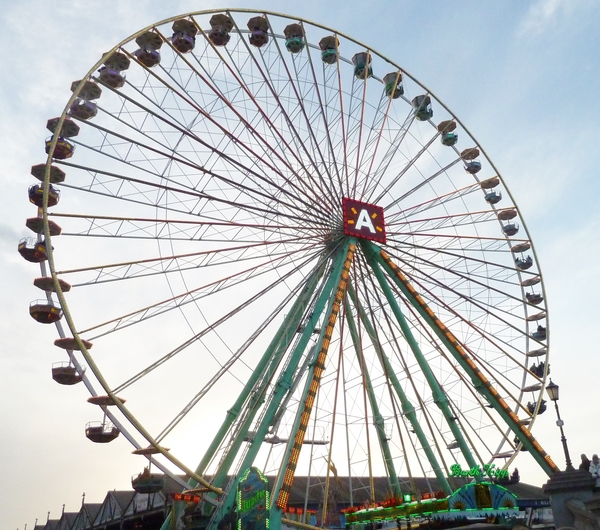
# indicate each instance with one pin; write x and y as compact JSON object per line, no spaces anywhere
{"x":552,"y":391}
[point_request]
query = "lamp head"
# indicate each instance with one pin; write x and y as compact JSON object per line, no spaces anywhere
{"x":552,"y":391}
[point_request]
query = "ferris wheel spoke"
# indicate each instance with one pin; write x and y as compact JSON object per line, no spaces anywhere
{"x":487,"y":309}
{"x":368,"y":318}
{"x":124,"y":187}
{"x":288,"y":102}
{"x":288,"y":152}
{"x":426,"y":181}
{"x":434,"y":203}
{"x":461,"y":245}
{"x":257,"y":193}
{"x":210,"y":328}
{"x":181,"y":229}
{"x":279,"y":391}
{"x":463,"y":262}
{"x":335,"y":106}
{"x":253,"y":169}
{"x":378,"y":133}
{"x":352,"y":133}
{"x":446,"y":221}
{"x":378,"y":173}
{"x":410,"y":164}
{"x":439,"y":397}
{"x":331,"y":110}
{"x":195,"y":295}
{"x":456,"y":280}
{"x":426,"y":441}
{"x":224,"y":369}
{"x":477,"y":311}
{"x":371,"y":404}
{"x":98,"y":274}
{"x":502,"y":348}
{"x":477,"y":424}
{"x":459,"y":268}
{"x":310,"y":99}
{"x":271,"y":357}
{"x":487,"y":388}
{"x":390,"y":329}
{"x":479,"y":405}
{"x":355,"y":129}
{"x":463,"y":268}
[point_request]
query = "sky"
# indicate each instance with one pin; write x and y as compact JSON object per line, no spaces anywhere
{"x":522,"y":76}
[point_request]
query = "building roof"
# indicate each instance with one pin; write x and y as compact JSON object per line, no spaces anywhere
{"x":527,"y":491}
{"x":92,"y":510}
{"x":66,"y":521}
{"x":123,"y":498}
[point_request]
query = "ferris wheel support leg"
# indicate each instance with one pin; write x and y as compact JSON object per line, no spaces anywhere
{"x":274,"y":351}
{"x":272,"y":359}
{"x":439,"y":397}
{"x":285,"y":382}
{"x":458,"y":351}
{"x":377,"y":417}
{"x":408,"y":408}
{"x":284,"y":481}
{"x":277,"y":347}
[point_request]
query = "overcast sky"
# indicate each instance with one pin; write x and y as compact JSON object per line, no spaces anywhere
{"x":522,"y":76}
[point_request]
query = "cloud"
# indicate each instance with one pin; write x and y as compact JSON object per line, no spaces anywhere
{"x":542,"y":15}
{"x":9,"y":234}
{"x":545,"y":15}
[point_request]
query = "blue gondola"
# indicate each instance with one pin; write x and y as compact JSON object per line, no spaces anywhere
{"x":422,"y":107}
{"x":329,"y":52}
{"x":184,"y":35}
{"x":259,"y":28}
{"x":534,"y":298}
{"x":147,"y":482}
{"x":524,"y":263}
{"x":510,"y":229}
{"x":540,"y":333}
{"x":472,"y":167}
{"x":362,"y":65}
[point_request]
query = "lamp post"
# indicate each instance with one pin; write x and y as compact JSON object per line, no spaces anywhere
{"x":552,"y":391}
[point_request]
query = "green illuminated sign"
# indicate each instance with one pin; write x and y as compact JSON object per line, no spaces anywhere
{"x":488,"y":470}
{"x":253,"y":503}
{"x":249,"y":504}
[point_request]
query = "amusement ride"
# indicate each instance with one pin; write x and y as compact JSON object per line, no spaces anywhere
{"x":266,"y":246}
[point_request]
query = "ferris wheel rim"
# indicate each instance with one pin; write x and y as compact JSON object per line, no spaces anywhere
{"x":60,"y":294}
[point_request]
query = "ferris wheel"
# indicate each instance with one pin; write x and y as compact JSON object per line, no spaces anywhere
{"x":265,"y":244}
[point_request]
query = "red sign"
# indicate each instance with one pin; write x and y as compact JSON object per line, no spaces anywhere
{"x":187,"y":497}
{"x":362,"y":219}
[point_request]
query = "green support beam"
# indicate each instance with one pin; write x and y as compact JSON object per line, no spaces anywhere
{"x":285,"y":382}
{"x":408,"y":408}
{"x":439,"y":396}
{"x":272,"y":356}
{"x":282,"y":486}
{"x":277,"y":347}
{"x":377,"y":417}
{"x":482,"y":384}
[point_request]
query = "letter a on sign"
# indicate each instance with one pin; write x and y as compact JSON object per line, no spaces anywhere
{"x":362,"y":219}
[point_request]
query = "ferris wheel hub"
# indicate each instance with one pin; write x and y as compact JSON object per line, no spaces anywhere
{"x":363,"y":220}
